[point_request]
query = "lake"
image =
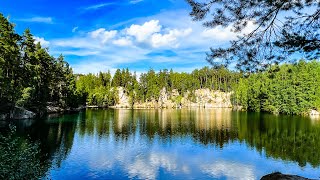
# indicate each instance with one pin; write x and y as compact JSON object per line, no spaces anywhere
{"x":169,"y":144}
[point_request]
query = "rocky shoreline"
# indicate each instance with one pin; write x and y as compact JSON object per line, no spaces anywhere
{"x":19,"y":113}
{"x":200,"y":98}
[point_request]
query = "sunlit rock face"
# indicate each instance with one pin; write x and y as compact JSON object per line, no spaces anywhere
{"x":212,"y":99}
{"x":166,"y":98}
{"x":123,"y":98}
{"x":204,"y":98}
{"x":314,"y":113}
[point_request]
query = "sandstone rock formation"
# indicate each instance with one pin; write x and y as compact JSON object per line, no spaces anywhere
{"x":204,"y":98}
{"x":123,"y":98}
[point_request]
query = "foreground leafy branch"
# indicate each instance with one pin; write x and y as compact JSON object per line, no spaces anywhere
{"x":282,"y":28}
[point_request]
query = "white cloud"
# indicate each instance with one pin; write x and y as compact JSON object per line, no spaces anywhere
{"x":169,"y":39}
{"x":82,"y":43}
{"x":42,"y":41}
{"x":125,"y":41}
{"x":226,"y":34}
{"x":142,"y":38}
{"x":143,"y":32}
{"x":219,"y":34}
{"x":103,"y":35}
{"x":92,"y":67}
{"x":38,"y":19}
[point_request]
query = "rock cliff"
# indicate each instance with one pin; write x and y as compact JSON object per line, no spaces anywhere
{"x":123,"y":98}
{"x":205,"y":98}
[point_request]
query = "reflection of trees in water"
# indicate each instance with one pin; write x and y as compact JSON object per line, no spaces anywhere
{"x":96,"y":121}
{"x":287,"y":137}
{"x":42,"y":145}
{"x":123,"y":124}
{"x":205,"y":126}
{"x":20,"y":158}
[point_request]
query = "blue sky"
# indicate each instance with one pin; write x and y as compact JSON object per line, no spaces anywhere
{"x":101,"y":35}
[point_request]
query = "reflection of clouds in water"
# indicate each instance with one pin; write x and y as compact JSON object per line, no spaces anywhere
{"x":230,"y":170}
{"x":163,"y":160}
{"x":146,"y":167}
{"x":137,"y":164}
{"x":140,"y":159}
{"x":142,"y":169}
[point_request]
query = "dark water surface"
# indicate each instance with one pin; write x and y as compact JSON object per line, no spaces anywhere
{"x":174,"y":144}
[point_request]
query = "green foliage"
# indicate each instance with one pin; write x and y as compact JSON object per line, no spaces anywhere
{"x":25,"y":96}
{"x":20,"y":158}
{"x":99,"y":91}
{"x":30,"y":76}
{"x":273,"y":37}
{"x":287,"y":89}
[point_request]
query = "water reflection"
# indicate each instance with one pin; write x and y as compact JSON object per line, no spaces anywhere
{"x":186,"y":143}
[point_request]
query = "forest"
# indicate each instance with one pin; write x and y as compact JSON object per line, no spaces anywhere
{"x":100,"y":88}
{"x":281,"y":89}
{"x":31,"y":78}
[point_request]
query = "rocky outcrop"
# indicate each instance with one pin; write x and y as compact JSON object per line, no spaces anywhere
{"x":53,"y":109}
{"x":21,"y":113}
{"x":123,"y":99}
{"x":56,"y":109}
{"x":204,"y":98}
{"x":280,"y":176}
{"x":212,"y":99}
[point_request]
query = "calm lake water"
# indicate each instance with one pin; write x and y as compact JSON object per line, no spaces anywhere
{"x":174,"y":144}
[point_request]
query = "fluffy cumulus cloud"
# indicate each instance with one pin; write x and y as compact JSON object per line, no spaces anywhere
{"x":148,"y":39}
{"x":155,"y":35}
{"x":42,"y":41}
{"x":103,"y":35}
{"x":124,"y":41}
{"x":149,"y":35}
{"x":143,"y":32}
{"x":170,"y":39}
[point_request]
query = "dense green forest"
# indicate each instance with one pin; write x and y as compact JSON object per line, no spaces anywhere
{"x":100,"y":88}
{"x":286,"y":88}
{"x":31,"y":78}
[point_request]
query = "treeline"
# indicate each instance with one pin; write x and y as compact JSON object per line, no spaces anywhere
{"x":101,"y":88}
{"x":29,"y":76}
{"x":286,"y":89}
